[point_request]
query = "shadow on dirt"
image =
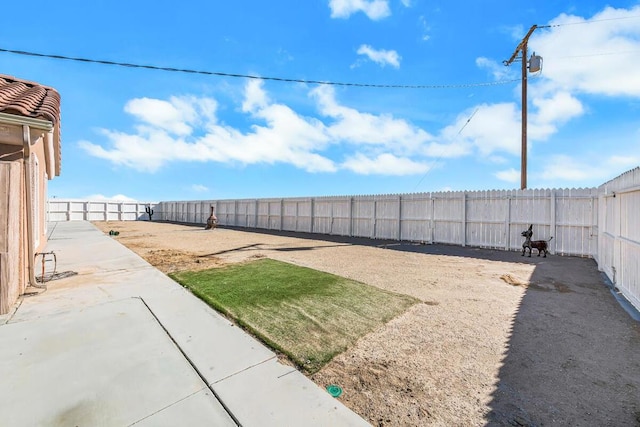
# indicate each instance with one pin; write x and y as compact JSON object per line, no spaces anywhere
{"x":572,"y":357}
{"x":573,"y":353}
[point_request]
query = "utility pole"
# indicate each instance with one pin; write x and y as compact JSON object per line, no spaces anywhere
{"x":522,"y":48}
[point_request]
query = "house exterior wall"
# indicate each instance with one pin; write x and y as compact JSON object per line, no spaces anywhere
{"x":39,"y":173}
{"x":14,"y":253}
{"x":12,"y":270}
{"x":30,"y":154}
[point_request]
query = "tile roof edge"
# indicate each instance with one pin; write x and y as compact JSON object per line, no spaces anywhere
{"x":26,"y":82}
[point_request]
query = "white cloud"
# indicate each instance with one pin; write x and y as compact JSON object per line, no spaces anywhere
{"x":383,"y":131}
{"x":285,"y":137}
{"x":380,"y":56}
{"x":425,"y":28}
{"x":551,"y":112}
{"x":489,"y":129}
{"x":364,"y":142}
{"x":562,"y":167}
{"x":448,"y":150}
{"x":255,"y":97}
{"x":498,"y":71}
{"x":406,"y":3}
{"x":177,"y":116}
{"x":361,"y":142}
{"x":342,"y":137}
{"x":510,"y":175}
{"x":594,"y":56}
{"x":585,"y":168}
{"x":199,"y":188}
{"x":374,"y":9}
{"x":384,"y":164}
{"x":116,"y":198}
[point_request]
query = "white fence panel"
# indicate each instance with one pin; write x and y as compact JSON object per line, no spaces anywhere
{"x":247,"y":209}
{"x":322,"y":215}
{"x":362,"y":216}
{"x":225,"y":211}
{"x":76,"y":211}
{"x":341,"y":217}
{"x":628,"y":280}
{"x":387,"y":217}
{"x":263,"y":214}
{"x":601,"y":223}
{"x":290,"y":215}
{"x":58,"y":210}
{"x":415,"y":217}
{"x":97,"y":210}
{"x":619,"y":233}
{"x":448,"y":217}
{"x":493,"y":219}
{"x":486,"y":216}
{"x":575,"y":222}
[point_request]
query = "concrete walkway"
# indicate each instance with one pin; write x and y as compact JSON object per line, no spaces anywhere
{"x":122,"y":344}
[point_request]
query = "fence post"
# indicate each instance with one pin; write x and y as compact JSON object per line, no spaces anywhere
{"x":281,"y":213}
{"x":552,"y":219}
{"x":507,"y":224}
{"x":331,"y":217}
{"x":373,"y":218}
{"x":350,"y":216}
{"x":432,"y":220}
{"x":464,"y":219}
{"x":236,"y":216}
{"x":399,"y":217}
{"x":312,"y":215}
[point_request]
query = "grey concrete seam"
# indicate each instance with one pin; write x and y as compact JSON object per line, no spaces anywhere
{"x":290,"y":372}
{"x":14,"y":311}
{"x":193,"y":365}
{"x":244,"y":370}
{"x":168,"y":406}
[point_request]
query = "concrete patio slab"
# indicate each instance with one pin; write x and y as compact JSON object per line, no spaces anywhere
{"x":108,"y":364}
{"x":203,"y":410}
{"x":283,"y":396}
{"x":121,"y":343}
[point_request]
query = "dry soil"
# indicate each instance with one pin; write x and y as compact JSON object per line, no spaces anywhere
{"x":499,"y":339}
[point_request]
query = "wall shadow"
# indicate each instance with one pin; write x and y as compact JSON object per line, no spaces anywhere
{"x":573,"y":353}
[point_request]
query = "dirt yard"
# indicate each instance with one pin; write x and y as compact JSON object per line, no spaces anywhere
{"x":499,"y":339}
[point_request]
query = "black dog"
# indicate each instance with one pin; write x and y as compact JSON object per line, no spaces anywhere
{"x":540,"y":245}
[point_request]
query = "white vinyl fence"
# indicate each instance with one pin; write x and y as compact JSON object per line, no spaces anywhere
{"x":601,"y":223}
{"x":619,"y":240}
{"x":96,"y":210}
{"x":491,"y":219}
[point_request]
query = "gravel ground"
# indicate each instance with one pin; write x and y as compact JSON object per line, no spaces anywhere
{"x":499,"y":339}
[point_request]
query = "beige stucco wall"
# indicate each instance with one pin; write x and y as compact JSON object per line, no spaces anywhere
{"x":14,"y":251}
{"x":12,"y":270}
{"x":40,"y":226}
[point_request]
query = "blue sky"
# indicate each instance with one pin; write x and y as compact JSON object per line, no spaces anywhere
{"x":155,"y":135}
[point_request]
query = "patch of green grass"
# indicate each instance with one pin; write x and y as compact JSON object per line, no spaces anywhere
{"x":306,"y":314}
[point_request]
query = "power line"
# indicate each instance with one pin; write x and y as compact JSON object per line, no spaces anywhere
{"x":442,"y":153}
{"x":249,"y":76}
{"x":590,"y":22}
{"x":622,"y":52}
